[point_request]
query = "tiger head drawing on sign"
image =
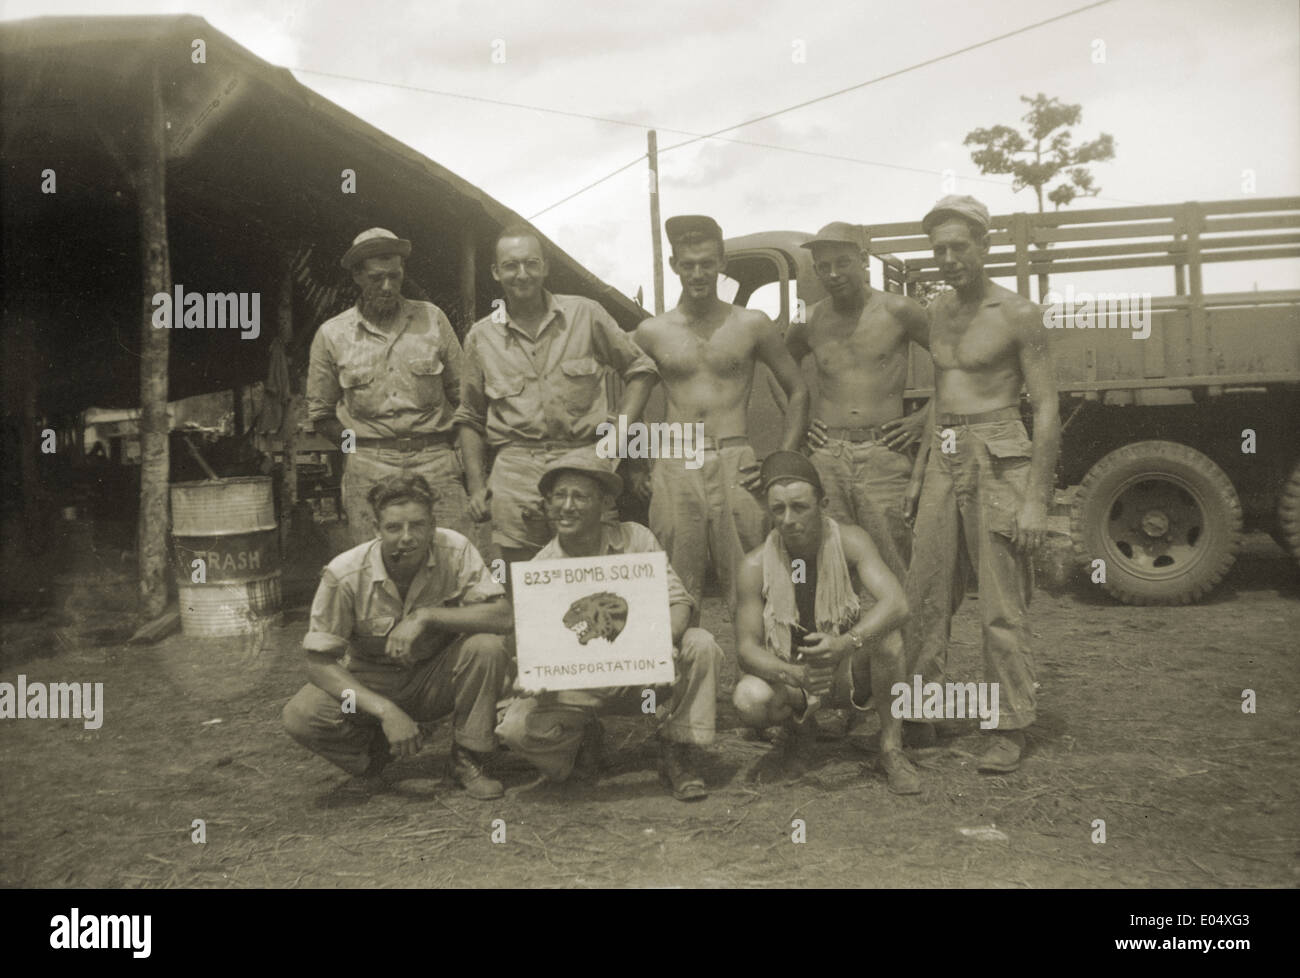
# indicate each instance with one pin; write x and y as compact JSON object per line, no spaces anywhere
{"x":601,"y":615}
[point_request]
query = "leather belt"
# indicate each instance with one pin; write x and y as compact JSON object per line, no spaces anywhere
{"x":1009,"y":413}
{"x":870,"y":433}
{"x":735,"y":441}
{"x":411,"y":444}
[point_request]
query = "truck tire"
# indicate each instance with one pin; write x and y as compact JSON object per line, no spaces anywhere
{"x":1288,"y":515}
{"x":1164,"y":518}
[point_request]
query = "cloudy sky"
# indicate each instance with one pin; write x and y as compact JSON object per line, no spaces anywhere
{"x":1194,"y":91}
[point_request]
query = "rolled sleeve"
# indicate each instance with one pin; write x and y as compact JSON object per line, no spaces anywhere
{"x":323,"y":389}
{"x":331,"y":618}
{"x":620,"y":350}
{"x":474,"y":581}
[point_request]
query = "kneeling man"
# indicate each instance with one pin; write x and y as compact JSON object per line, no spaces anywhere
{"x":803,"y":637}
{"x":420,"y":620}
{"x":552,"y":729}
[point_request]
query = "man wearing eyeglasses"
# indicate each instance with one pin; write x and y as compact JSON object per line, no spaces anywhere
{"x":388,"y":371}
{"x":536,"y":385}
{"x":859,"y":439}
{"x":706,"y":350}
{"x":560,"y":731}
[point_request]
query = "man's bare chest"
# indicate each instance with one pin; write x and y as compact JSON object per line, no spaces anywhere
{"x":842,"y":343}
{"x":727,"y":353}
{"x":972,"y":342}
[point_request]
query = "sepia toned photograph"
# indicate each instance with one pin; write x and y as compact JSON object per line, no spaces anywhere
{"x":694,"y":445}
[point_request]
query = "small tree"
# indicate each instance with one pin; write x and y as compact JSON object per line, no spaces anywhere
{"x":1041,"y":154}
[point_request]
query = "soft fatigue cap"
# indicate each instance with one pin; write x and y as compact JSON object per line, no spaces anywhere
{"x":675,"y":227}
{"x":375,"y":243}
{"x":789,"y":465}
{"x":838,"y":232}
{"x":959,"y":205}
{"x":584,"y":461}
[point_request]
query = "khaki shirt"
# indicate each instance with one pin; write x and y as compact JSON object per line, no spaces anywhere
{"x":554,"y":388}
{"x":390,"y":384}
{"x":357,"y":604}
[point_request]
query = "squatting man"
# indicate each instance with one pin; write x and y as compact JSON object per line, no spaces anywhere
{"x":405,"y":629}
{"x":560,"y":731}
{"x":817,"y":619}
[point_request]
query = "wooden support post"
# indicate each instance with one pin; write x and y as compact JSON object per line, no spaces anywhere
{"x":656,"y":242}
{"x":237,"y":405}
{"x":155,"y":345}
{"x":1020,"y":237}
{"x":468,"y":277}
{"x":289,"y":426}
{"x":34,"y":492}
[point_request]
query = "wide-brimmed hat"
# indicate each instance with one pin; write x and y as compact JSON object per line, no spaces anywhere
{"x":374,"y":243}
{"x":584,"y":461}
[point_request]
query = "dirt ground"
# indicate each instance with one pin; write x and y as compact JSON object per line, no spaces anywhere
{"x":1140,"y":725}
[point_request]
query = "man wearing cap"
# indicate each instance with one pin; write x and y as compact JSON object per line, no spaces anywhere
{"x":706,"y":350}
{"x":536,"y":382}
{"x":817,"y":619}
{"x":404,"y":629}
{"x":387,"y":371}
{"x":552,"y":730}
{"x":983,"y":504}
{"x":859,"y":438}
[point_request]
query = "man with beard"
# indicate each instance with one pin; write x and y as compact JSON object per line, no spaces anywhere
{"x":706,"y":351}
{"x":405,"y":629}
{"x":817,"y":619}
{"x":560,"y":731}
{"x":859,"y":338}
{"x":388,"y":371}
{"x":536,"y":385}
{"x":983,"y":503}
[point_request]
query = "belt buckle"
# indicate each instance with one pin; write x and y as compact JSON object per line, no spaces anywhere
{"x":404,"y":444}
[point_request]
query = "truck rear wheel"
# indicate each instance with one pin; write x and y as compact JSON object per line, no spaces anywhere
{"x":1288,"y":515}
{"x":1165,"y":519}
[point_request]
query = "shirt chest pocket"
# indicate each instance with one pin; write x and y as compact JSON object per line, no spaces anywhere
{"x":501,"y":388}
{"x":353,"y":376}
{"x":427,"y":374}
{"x":582,"y":382}
{"x":360,"y":392}
{"x":370,"y":635}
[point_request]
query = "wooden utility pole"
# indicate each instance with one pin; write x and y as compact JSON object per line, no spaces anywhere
{"x":468,"y":276}
{"x":155,"y":346}
{"x":652,"y":143}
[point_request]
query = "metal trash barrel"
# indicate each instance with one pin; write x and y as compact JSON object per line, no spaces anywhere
{"x":230,"y":525}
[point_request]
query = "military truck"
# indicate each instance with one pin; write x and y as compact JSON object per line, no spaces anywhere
{"x":1175,"y":442}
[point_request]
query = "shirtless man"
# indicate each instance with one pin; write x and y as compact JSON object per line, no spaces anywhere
{"x":859,"y":438}
{"x":986,"y":488}
{"x":705,"y":351}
